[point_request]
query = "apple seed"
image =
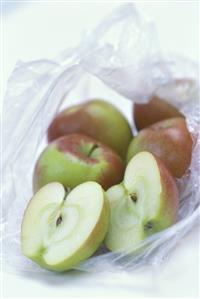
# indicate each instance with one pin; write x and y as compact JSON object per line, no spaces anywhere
{"x":133,"y":196}
{"x":59,"y":220}
{"x":148,"y":225}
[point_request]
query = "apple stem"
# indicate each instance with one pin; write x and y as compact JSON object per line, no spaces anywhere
{"x":92,"y":149}
{"x":67,"y":191}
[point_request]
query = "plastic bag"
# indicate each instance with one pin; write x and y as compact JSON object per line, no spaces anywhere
{"x":123,"y":53}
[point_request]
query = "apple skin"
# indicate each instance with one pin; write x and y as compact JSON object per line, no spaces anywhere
{"x":95,"y":118}
{"x":165,"y":212}
{"x":169,"y":140}
{"x":69,"y":160}
{"x":169,"y":198}
{"x":152,"y":112}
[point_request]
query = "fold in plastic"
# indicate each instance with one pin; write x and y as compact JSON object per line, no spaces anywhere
{"x":123,"y":52}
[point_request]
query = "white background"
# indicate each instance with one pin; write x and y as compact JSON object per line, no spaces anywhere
{"x":35,"y":30}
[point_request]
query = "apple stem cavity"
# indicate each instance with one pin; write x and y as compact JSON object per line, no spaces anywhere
{"x":94,"y":146}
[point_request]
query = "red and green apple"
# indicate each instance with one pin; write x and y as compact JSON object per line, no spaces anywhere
{"x":59,"y":229}
{"x":97,"y":119}
{"x":144,"y":203}
{"x":74,"y":159}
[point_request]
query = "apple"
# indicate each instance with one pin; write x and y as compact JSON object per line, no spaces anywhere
{"x":159,"y":107}
{"x":169,"y":140}
{"x":59,"y":229}
{"x":144,"y":203}
{"x":75,"y":159}
{"x":154,"y":111}
{"x":95,"y":118}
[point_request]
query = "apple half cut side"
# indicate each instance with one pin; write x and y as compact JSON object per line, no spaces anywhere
{"x":144,"y":203}
{"x":60,"y":230}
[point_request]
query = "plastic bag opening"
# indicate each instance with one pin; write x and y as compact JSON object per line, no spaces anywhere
{"x":121,"y":62}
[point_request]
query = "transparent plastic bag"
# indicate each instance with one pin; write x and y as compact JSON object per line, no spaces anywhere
{"x":122,"y":52}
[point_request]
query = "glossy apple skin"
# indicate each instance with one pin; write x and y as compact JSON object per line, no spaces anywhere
{"x":169,"y":140}
{"x":97,"y":119}
{"x":169,"y":198}
{"x":152,"y":112}
{"x":68,"y":160}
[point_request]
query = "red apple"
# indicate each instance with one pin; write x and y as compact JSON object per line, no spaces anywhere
{"x":154,"y":111}
{"x":160,"y":105}
{"x":169,"y":140}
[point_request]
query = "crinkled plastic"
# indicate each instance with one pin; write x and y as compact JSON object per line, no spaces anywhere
{"x":120,"y":61}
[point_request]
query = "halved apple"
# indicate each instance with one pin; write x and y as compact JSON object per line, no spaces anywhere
{"x":144,"y":203}
{"x":61,"y":229}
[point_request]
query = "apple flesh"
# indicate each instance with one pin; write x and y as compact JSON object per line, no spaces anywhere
{"x":145,"y":202}
{"x":74,"y":159}
{"x":96,"y":118}
{"x":169,"y":140}
{"x":60,"y":230}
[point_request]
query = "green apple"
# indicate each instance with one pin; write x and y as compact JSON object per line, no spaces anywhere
{"x":74,"y":159}
{"x":60,"y":230}
{"x":96,"y":118}
{"x":144,"y":203}
{"x":169,"y":140}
